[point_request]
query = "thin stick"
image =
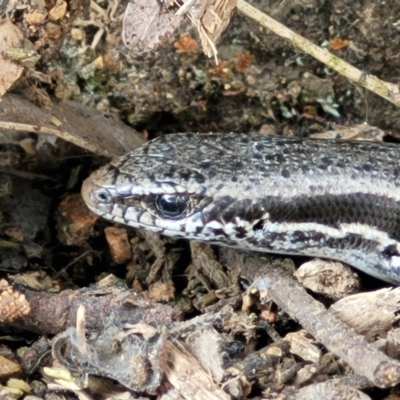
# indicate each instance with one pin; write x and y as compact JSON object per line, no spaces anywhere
{"x":387,"y":90}
{"x":274,"y":281}
{"x":16,"y":126}
{"x":327,"y":329}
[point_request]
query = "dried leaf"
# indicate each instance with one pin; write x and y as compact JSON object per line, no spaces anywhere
{"x":338,"y":44}
{"x":147,"y":23}
{"x":10,"y":37}
{"x":186,"y":44}
{"x":212,"y":22}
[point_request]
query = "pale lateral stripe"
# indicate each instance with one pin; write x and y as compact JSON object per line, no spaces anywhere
{"x":389,"y":269}
{"x":173,"y":227}
{"x":366,"y":232}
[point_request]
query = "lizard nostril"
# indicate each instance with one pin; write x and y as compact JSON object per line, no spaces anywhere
{"x":94,"y":195}
{"x":102,"y":196}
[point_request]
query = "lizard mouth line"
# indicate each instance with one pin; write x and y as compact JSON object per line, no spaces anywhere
{"x":327,"y":198}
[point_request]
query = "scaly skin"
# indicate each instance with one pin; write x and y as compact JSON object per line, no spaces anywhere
{"x":321,"y":198}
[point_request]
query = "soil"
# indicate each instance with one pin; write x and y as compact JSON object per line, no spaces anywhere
{"x":261,"y":84}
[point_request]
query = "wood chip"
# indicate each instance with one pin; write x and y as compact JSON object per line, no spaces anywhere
{"x":35,"y":17}
{"x":10,"y":72}
{"x":371,"y":313}
{"x":74,"y":221}
{"x":304,"y":346}
{"x":161,"y":292}
{"x":13,"y":304}
{"x":118,"y":241}
{"x":188,"y":379}
{"x":58,"y":11}
{"x":330,"y":278}
{"x":8,"y":367}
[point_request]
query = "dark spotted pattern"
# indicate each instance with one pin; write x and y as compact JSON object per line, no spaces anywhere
{"x":331,"y":199}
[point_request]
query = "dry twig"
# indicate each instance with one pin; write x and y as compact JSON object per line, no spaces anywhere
{"x":273,"y":282}
{"x":387,"y":90}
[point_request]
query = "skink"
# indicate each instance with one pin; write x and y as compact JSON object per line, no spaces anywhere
{"x":320,"y":198}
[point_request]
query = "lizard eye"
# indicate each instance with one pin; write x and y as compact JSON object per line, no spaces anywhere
{"x":102,"y":196}
{"x":171,"y":206}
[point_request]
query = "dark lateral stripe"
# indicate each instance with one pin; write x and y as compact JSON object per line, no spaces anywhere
{"x":379,"y":212}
